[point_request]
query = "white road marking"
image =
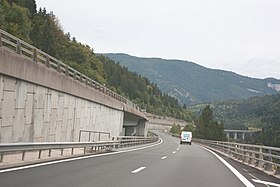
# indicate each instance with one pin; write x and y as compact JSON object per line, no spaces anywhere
{"x":77,"y":158}
{"x":164,"y":157}
{"x":246,"y":182}
{"x":174,"y":152}
{"x":138,"y":170}
{"x":245,"y":170}
{"x":177,"y":149}
{"x":266,"y":183}
{"x":254,"y":177}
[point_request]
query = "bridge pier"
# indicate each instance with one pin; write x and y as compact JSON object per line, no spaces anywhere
{"x":243,"y":136}
{"x":227,"y":134}
{"x":235,"y":135}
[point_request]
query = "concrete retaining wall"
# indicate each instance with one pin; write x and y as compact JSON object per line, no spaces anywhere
{"x":34,"y":113}
{"x":40,"y":104}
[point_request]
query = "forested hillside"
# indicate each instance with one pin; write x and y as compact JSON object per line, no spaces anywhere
{"x":43,"y":30}
{"x":253,"y":113}
{"x":141,"y":91}
{"x":191,"y":83}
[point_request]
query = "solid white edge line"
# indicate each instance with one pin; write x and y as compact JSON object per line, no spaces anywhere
{"x":266,"y":183}
{"x":245,"y":181}
{"x":138,"y":170}
{"x":256,"y":178}
{"x":76,"y":158}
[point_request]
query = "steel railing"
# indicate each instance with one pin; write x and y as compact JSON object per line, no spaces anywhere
{"x":263,"y":157}
{"x":89,"y":133}
{"x":88,"y":147}
{"x":22,"y":48}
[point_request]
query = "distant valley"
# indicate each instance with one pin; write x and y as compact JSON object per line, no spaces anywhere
{"x":192,"y":84}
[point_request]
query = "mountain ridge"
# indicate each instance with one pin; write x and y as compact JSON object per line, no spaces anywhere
{"x":192,"y":83}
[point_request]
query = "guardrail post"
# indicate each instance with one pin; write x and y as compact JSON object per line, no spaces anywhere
{"x":35,"y":55}
{"x":18,"y":50}
{"x":58,"y":67}
{"x":48,"y":64}
{"x":260,"y":162}
{"x":243,"y":153}
{"x":1,"y":40}
{"x":23,"y":155}
{"x":247,"y":156}
{"x":253,"y":160}
{"x":2,"y":154}
{"x":89,"y":136}
{"x":268,"y":166}
{"x":80,"y":133}
{"x":40,"y":152}
{"x":67,"y":71}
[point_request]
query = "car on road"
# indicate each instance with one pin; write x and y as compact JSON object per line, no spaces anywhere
{"x":186,"y":137}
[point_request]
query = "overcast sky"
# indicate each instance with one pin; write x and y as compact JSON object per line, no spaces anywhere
{"x":242,"y":36}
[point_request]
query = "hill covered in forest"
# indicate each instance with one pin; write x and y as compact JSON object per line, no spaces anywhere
{"x":261,"y":113}
{"x":191,"y":83}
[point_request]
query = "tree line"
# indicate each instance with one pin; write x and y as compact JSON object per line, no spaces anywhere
{"x":205,"y":127}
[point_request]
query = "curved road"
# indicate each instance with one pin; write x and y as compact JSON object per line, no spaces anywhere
{"x":166,"y":164}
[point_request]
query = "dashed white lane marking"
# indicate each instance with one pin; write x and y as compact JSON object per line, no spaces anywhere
{"x":246,"y":182}
{"x":164,"y":157}
{"x":77,"y":158}
{"x":266,"y":183}
{"x":174,"y":152}
{"x":177,"y":149}
{"x":138,"y":170}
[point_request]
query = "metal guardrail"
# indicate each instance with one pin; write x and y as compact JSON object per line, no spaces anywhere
{"x":117,"y":142}
{"x":93,"y":132}
{"x":263,"y":157}
{"x":22,"y":48}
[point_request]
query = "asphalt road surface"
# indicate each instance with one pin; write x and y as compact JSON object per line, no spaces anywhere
{"x":167,"y":164}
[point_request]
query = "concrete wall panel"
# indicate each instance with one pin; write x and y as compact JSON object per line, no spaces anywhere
{"x":21,"y":94}
{"x":8,"y":112}
{"x":29,"y":109}
{"x":9,"y":84}
{"x":18,"y":127}
{"x":6,"y":134}
{"x":38,"y":123}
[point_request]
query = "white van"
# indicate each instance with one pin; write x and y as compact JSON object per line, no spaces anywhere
{"x":186,"y":137}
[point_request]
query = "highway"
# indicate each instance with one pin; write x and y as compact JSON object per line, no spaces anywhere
{"x":167,"y":164}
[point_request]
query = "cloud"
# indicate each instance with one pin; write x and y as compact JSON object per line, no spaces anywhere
{"x":99,"y":30}
{"x":262,"y":67}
